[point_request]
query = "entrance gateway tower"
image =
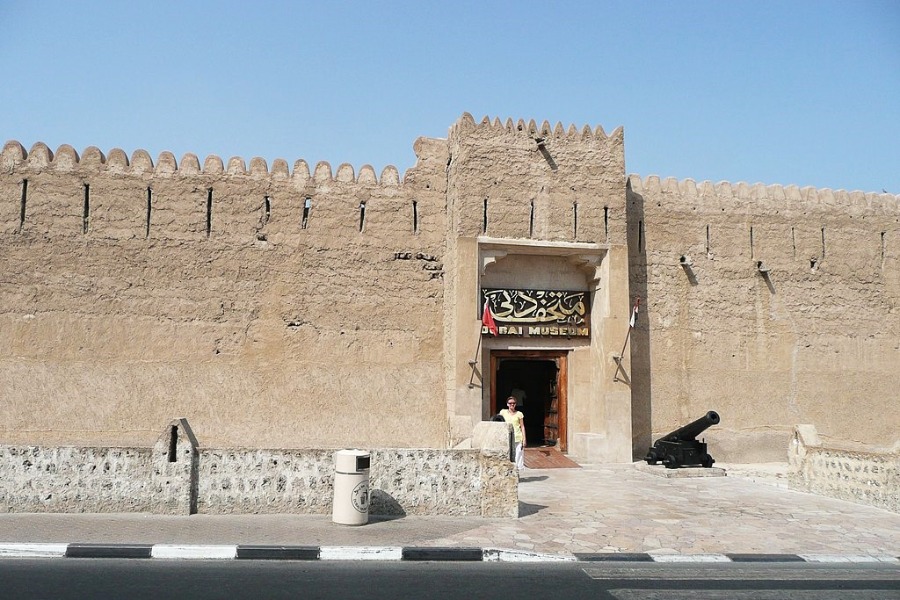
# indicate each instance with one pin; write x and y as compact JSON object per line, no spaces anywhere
{"x":538,"y":234}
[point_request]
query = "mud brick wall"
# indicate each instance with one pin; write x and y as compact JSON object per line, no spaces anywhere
{"x":785,"y":312}
{"x":272,"y":307}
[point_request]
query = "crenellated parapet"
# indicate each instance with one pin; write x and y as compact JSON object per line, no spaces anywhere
{"x":531,"y":129}
{"x":800,"y":229}
{"x":66,"y":159}
{"x":766,"y":196}
{"x":112,"y":195}
{"x":522,"y":179}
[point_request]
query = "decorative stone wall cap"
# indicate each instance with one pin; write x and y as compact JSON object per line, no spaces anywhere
{"x":492,"y":436}
{"x":807,"y":435}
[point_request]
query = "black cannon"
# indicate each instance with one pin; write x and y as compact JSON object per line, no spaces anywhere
{"x":680,"y":448}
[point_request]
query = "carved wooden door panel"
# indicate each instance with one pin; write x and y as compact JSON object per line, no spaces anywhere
{"x":551,"y":413}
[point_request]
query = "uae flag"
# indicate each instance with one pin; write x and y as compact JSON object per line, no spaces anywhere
{"x":634,"y":313}
{"x":487,"y":319}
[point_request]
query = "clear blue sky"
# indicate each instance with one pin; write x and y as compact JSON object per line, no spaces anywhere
{"x":804,"y":93}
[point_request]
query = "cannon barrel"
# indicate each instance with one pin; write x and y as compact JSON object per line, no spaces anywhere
{"x":692,"y":430}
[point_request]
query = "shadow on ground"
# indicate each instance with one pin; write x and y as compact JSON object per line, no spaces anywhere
{"x":526,"y":509}
{"x":535,"y":478}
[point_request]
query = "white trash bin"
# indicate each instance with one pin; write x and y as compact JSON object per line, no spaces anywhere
{"x":351,"y":487}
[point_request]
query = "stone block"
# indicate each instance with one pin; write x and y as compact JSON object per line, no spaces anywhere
{"x":491,"y":436}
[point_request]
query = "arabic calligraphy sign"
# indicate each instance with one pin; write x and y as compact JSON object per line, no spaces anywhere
{"x":538,"y":312}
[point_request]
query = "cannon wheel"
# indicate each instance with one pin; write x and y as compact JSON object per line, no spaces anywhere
{"x":670,"y":462}
{"x":652,"y":458}
{"x":707,"y":461}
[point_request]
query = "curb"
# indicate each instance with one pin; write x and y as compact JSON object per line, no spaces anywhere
{"x":391,"y":553}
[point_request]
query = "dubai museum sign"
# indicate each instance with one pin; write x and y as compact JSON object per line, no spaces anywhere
{"x":534,"y":313}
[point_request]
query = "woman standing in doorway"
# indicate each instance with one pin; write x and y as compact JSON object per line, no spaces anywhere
{"x":517,"y":420}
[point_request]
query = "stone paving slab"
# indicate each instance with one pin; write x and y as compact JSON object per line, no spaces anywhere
{"x":684,"y":473}
{"x":623,"y":509}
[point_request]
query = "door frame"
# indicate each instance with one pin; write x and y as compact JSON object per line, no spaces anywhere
{"x":561,"y":357}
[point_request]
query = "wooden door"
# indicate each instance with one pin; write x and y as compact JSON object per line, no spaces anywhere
{"x":552,"y":423}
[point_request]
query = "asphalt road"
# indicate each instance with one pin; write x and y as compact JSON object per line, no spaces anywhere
{"x":136,"y":579}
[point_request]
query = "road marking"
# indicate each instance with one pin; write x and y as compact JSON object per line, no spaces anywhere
{"x":690,"y":558}
{"x":635,"y":594}
{"x":743,"y":573}
{"x":495,"y":555}
{"x":846,"y":558}
{"x":361,"y":553}
{"x":193,"y":552}
{"x":443,"y":553}
{"x":32,"y":550}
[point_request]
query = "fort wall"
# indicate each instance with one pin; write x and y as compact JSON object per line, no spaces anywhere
{"x":272,"y":308}
{"x":310,"y":307}
{"x":785,"y":311}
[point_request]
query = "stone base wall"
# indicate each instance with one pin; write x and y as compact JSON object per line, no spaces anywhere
{"x":863,"y":476}
{"x":401,"y":481}
{"x":66,"y":479}
{"x":179,"y":478}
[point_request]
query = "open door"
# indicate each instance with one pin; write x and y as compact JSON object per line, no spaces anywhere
{"x":538,"y":379}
